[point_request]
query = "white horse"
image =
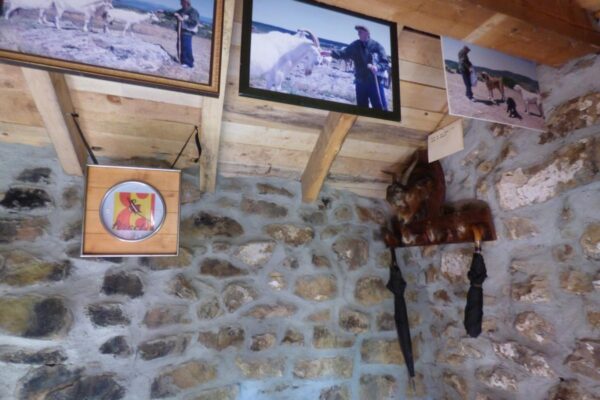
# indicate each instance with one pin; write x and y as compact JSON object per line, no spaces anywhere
{"x":275,"y":54}
{"x":86,"y":7}
{"x":128,"y":17}
{"x":41,"y":5}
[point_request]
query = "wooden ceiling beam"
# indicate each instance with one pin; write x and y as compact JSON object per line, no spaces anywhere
{"x":538,"y":37}
{"x":212,"y":110}
{"x":326,"y":149}
{"x":591,"y":5}
{"x":559,"y":16}
{"x":53,"y":101}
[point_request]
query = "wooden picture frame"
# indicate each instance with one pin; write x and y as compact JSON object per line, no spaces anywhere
{"x":102,"y":183}
{"x":150,"y":57}
{"x":254,"y":81}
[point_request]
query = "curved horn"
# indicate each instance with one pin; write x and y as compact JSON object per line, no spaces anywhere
{"x":393,"y":174}
{"x":409,"y":170}
{"x":312,"y":37}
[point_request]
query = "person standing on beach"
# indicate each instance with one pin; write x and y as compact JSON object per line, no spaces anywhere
{"x":464,"y":68}
{"x":188,"y":20}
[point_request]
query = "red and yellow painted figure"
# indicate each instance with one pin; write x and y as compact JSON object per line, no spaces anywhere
{"x":134,"y":211}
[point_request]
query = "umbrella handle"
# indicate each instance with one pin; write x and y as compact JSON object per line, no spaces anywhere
{"x":477,"y":235}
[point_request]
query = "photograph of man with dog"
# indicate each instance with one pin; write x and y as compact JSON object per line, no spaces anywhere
{"x":161,"y":38}
{"x":492,"y":86}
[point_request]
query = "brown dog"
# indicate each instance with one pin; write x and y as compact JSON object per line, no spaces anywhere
{"x":493,"y":83}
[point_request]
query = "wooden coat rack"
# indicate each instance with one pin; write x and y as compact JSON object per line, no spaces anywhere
{"x":423,"y":218}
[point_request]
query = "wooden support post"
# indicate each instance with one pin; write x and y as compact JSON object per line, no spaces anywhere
{"x":212,"y":111}
{"x":327,"y":147}
{"x":53,"y":100}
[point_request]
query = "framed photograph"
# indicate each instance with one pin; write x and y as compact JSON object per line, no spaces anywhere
{"x":171,"y":44}
{"x":307,"y":53}
{"x":492,"y":86}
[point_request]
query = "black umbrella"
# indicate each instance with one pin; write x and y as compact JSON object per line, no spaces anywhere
{"x":474,"y":307}
{"x":397,"y":285}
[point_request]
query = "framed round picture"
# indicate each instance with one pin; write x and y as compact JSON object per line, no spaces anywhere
{"x":132,"y":211}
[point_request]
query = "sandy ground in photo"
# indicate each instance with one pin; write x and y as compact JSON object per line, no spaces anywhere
{"x":150,"y":50}
{"x":487,"y":110}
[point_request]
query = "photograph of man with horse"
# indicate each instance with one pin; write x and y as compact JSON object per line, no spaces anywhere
{"x":303,"y":49}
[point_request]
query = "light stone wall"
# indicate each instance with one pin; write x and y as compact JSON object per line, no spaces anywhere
{"x":541,"y":336}
{"x":275,"y":299}
{"x":270,"y":298}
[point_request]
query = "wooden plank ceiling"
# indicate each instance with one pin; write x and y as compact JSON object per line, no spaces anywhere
{"x":261,"y":138}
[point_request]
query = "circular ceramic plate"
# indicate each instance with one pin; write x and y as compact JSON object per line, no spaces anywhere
{"x":132,"y":211}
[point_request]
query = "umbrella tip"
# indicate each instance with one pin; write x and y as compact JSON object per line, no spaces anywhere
{"x":413,"y":384}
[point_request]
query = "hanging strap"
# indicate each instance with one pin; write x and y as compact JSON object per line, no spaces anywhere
{"x":198,"y":146}
{"x":74,"y":115}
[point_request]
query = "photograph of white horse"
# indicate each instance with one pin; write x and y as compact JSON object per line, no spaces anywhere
{"x":301,"y":49}
{"x":139,"y":36}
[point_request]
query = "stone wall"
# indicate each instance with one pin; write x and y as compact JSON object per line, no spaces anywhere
{"x":541,"y":336}
{"x":274,"y":299}
{"x":269,"y":299}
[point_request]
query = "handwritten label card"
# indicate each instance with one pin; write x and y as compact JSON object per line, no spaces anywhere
{"x":446,"y":141}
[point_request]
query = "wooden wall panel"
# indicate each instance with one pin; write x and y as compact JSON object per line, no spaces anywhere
{"x":123,"y":147}
{"x":421,"y":97}
{"x":420,"y":49}
{"x":422,"y":74}
{"x":362,"y":146}
{"x":263,"y":156}
{"x":116,"y":124}
{"x":17,"y":107}
{"x":85,"y":84}
{"x":24,"y":134}
{"x":11,"y":78}
{"x":127,"y":107}
{"x":366,"y":188}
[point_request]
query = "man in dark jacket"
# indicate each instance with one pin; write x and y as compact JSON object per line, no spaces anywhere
{"x":188,"y":18}
{"x":370,"y":66}
{"x":464,"y":68}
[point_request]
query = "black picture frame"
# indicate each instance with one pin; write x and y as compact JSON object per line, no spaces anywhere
{"x":248,"y":91}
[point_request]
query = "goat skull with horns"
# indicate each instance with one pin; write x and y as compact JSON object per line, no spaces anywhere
{"x":419,"y":191}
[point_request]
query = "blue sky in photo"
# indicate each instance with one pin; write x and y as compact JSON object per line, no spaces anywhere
{"x":205,"y":7}
{"x":328,"y":24}
{"x":492,"y":59}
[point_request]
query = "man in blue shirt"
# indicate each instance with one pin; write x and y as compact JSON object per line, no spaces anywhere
{"x":187,"y":26}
